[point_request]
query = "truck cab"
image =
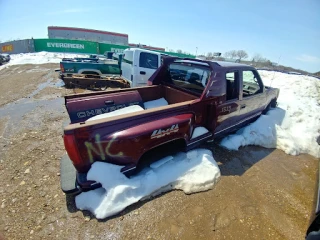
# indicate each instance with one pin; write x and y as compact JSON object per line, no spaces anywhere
{"x":138,"y":65}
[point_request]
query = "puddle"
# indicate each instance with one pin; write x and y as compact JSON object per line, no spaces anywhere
{"x":40,"y":87}
{"x":38,"y":70}
{"x":17,"y":110}
{"x":26,"y":107}
{"x":238,"y":162}
{"x":59,"y":83}
{"x":29,"y":113}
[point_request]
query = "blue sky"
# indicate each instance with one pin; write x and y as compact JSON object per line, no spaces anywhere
{"x":287,"y":31}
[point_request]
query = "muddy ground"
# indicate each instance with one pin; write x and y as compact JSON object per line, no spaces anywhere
{"x":262,"y":194}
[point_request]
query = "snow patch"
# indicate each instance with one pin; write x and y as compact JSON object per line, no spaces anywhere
{"x":191,"y":172}
{"x":125,"y":110}
{"x":292,"y":127}
{"x":39,"y":58}
{"x":155,"y":103}
{"x":198,"y":131}
{"x":161,"y":162}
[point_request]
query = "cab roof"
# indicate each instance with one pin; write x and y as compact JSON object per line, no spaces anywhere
{"x":230,"y":64}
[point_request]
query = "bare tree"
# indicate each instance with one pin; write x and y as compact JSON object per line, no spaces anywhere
{"x":209,"y":55}
{"x":233,"y":53}
{"x":269,"y":63}
{"x":242,"y":54}
{"x":179,"y":51}
{"x":171,"y":50}
{"x":258,"y":58}
{"x":230,"y":54}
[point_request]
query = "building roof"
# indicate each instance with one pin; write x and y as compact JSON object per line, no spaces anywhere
{"x":87,"y":30}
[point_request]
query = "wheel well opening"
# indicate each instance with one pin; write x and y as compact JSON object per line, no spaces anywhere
{"x":160,"y":152}
{"x":90,"y":72}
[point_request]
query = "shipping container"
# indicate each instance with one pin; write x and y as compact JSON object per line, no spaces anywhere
{"x":18,"y":46}
{"x":65,"y":45}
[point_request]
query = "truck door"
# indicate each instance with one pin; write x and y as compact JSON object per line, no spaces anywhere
{"x":227,"y":113}
{"x":145,"y":64}
{"x":127,"y":65}
{"x":253,"y":97}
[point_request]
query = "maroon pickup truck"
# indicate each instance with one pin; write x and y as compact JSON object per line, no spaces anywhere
{"x":186,"y":102}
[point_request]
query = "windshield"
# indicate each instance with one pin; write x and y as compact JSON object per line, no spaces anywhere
{"x":190,"y":76}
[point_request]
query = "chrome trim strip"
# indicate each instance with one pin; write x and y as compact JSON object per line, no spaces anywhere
{"x":199,"y":140}
{"x":129,"y":169}
{"x":238,"y":123}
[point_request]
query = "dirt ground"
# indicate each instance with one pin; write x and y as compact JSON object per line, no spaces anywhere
{"x":262,"y":194}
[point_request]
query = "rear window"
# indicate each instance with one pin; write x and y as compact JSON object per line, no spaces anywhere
{"x":148,"y":60}
{"x":128,"y":57}
{"x":192,"y":77}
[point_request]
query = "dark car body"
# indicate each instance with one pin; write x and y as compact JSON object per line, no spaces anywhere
{"x":213,"y":100}
{"x":6,"y":57}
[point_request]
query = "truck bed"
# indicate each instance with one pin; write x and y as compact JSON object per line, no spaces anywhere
{"x":82,"y":107}
{"x":85,"y":135}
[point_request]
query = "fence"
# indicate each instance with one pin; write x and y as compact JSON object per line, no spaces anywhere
{"x":19,"y":46}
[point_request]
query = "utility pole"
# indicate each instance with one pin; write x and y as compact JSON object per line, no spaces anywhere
{"x":196,"y":51}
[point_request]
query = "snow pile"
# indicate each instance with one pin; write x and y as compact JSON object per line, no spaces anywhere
{"x":39,"y":58}
{"x":125,"y":110}
{"x":155,"y":103}
{"x":191,"y":172}
{"x":198,"y":131}
{"x":292,"y":127}
{"x":161,"y":162}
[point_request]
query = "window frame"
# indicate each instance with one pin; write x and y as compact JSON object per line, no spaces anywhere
{"x":204,"y":68}
{"x":236,"y":85}
{"x":145,"y":58}
{"x":259,"y":82}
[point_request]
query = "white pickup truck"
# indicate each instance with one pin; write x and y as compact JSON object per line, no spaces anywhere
{"x":138,"y":65}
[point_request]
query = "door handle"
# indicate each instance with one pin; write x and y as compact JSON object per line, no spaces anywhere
{"x":243,"y":106}
{"x":142,"y":72}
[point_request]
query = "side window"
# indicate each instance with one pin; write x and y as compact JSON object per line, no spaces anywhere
{"x":148,"y":60}
{"x":250,"y":84}
{"x":232,"y":85}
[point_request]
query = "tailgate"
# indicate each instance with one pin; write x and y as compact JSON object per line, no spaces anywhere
{"x":82,"y":108}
